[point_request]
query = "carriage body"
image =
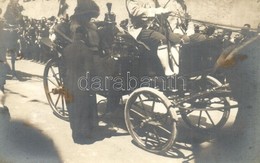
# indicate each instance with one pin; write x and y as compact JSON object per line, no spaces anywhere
{"x":200,"y":56}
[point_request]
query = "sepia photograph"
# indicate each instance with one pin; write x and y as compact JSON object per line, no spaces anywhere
{"x":129,"y":81}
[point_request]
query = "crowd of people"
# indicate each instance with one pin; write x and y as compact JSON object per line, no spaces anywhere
{"x":82,"y":110}
{"x":20,"y":38}
{"x":31,"y":31}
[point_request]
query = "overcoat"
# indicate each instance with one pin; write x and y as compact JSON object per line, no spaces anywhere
{"x":78,"y":59}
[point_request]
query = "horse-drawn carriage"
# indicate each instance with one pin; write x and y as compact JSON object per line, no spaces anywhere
{"x":152,"y":108}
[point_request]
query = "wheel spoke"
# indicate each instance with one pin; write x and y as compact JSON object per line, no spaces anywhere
{"x":57,"y":101}
{"x":142,"y":102}
{"x":157,"y":137}
{"x":146,"y":137}
{"x":53,"y":82}
{"x":164,"y":129}
{"x":54,"y":75}
{"x":188,"y":112}
{"x":135,"y":104}
{"x":136,"y":112}
{"x":199,"y":118}
{"x":163,"y":119}
{"x":153,"y":106}
{"x":210,"y":118}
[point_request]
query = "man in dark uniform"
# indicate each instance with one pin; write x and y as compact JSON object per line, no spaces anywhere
{"x":79,"y":61}
{"x":12,"y":17}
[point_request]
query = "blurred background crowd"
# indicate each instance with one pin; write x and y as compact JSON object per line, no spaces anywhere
{"x":31,"y":31}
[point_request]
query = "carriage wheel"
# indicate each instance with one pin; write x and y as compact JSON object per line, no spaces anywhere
{"x":54,"y":89}
{"x":150,"y":120}
{"x":202,"y":114}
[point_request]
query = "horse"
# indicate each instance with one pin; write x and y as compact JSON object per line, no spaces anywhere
{"x":241,"y":66}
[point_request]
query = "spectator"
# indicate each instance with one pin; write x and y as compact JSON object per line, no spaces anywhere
{"x":201,"y":33}
{"x":12,"y":16}
{"x":78,"y":61}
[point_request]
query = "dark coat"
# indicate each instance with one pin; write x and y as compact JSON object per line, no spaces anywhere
{"x":82,"y":107}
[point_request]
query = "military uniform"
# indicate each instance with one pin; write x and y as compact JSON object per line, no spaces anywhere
{"x":12,"y":17}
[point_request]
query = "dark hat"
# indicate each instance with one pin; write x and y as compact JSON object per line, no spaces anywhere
{"x":86,"y":7}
